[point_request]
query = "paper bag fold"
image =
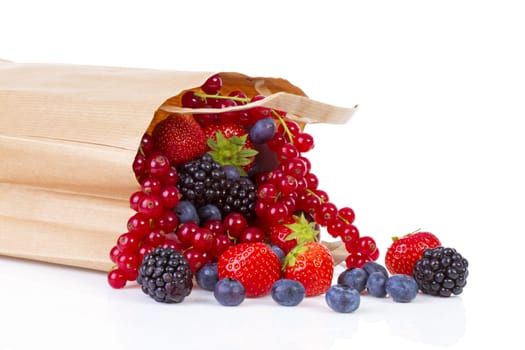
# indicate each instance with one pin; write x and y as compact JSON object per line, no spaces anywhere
{"x":68,"y":137}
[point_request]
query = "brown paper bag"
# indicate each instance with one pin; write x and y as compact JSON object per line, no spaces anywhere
{"x":68,"y":137}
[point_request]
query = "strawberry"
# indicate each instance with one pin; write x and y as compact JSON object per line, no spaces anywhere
{"x":311,"y":264}
{"x":295,"y":230}
{"x":404,"y":252}
{"x":180,"y":138}
{"x":255,"y":265}
{"x":229,"y":145}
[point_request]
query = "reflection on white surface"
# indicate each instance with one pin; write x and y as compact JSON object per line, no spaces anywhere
{"x":265,"y":325}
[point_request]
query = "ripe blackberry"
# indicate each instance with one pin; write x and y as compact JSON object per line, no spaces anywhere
{"x":239,"y":196}
{"x":203,"y":181}
{"x":441,"y":272}
{"x":165,"y":275}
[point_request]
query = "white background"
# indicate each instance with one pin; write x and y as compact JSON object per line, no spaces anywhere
{"x":437,"y":143}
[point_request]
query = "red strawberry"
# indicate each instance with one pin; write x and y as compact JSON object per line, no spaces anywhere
{"x":311,"y":264}
{"x":255,"y":265}
{"x":294,"y":230}
{"x":404,"y":252}
{"x":229,"y":145}
{"x":180,"y":138}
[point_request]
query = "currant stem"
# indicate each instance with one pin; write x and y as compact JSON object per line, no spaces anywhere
{"x":315,"y":194}
{"x":222,"y":97}
{"x":285,"y":127}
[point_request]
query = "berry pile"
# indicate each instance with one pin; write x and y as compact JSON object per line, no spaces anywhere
{"x":217,"y":181}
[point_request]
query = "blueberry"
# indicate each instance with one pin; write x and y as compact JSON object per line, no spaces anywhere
{"x":229,"y":292}
{"x":263,"y":130}
{"x":209,"y":212}
{"x":186,"y":212}
{"x":207,"y":276}
{"x":375,"y":284}
{"x":342,"y":298}
{"x":232,"y":173}
{"x":278,"y":251}
{"x":372,"y":266}
{"x":288,"y":292}
{"x":354,"y":277}
{"x":402,"y":288}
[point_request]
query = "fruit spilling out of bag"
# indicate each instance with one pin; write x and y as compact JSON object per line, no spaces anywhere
{"x":230,"y":183}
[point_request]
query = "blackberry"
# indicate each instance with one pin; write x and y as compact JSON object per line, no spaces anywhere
{"x":441,"y":272}
{"x":165,"y":275}
{"x":203,"y":181}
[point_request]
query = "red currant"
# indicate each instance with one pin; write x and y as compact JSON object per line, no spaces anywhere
{"x":139,"y":224}
{"x":117,"y":279}
{"x":128,"y":242}
{"x":367,"y":245}
{"x":170,"y":195}
{"x":287,"y":152}
{"x":196,"y":258}
{"x":171,"y":177}
{"x":139,"y":165}
{"x":290,"y":203}
{"x":203,"y":240}
{"x":145,"y":249}
{"x":295,"y":167}
{"x":287,"y":185}
{"x":326,"y":213}
{"x":134,"y":200}
{"x":335,"y":228}
{"x":114,"y":253}
{"x":146,"y":144}
{"x":222,"y":243}
{"x":310,"y":203}
{"x":374,"y":255}
{"x":235,"y":223}
{"x":150,"y":185}
{"x":349,"y":234}
{"x":292,"y":126}
{"x":155,"y":237}
{"x":252,"y":234}
{"x":312,"y":181}
{"x":323,"y":196}
{"x":151,"y":206}
{"x":216,"y":227}
{"x":212,"y":85}
{"x":276,"y":142}
{"x":186,"y":232}
{"x":355,"y":260}
{"x":304,"y":142}
{"x":267,"y":193}
{"x":167,"y":222}
{"x":128,"y":263}
{"x":276,"y":213}
{"x":158,"y":165}
{"x":257,"y":113}
{"x":190,"y":100}
{"x":346,"y":214}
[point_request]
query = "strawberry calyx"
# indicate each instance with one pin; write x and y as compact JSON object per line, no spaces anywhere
{"x":291,"y":257}
{"x":231,"y":151}
{"x":303,"y":230}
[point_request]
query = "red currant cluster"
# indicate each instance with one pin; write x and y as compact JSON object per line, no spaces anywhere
{"x":292,"y":187}
{"x":154,"y":216}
